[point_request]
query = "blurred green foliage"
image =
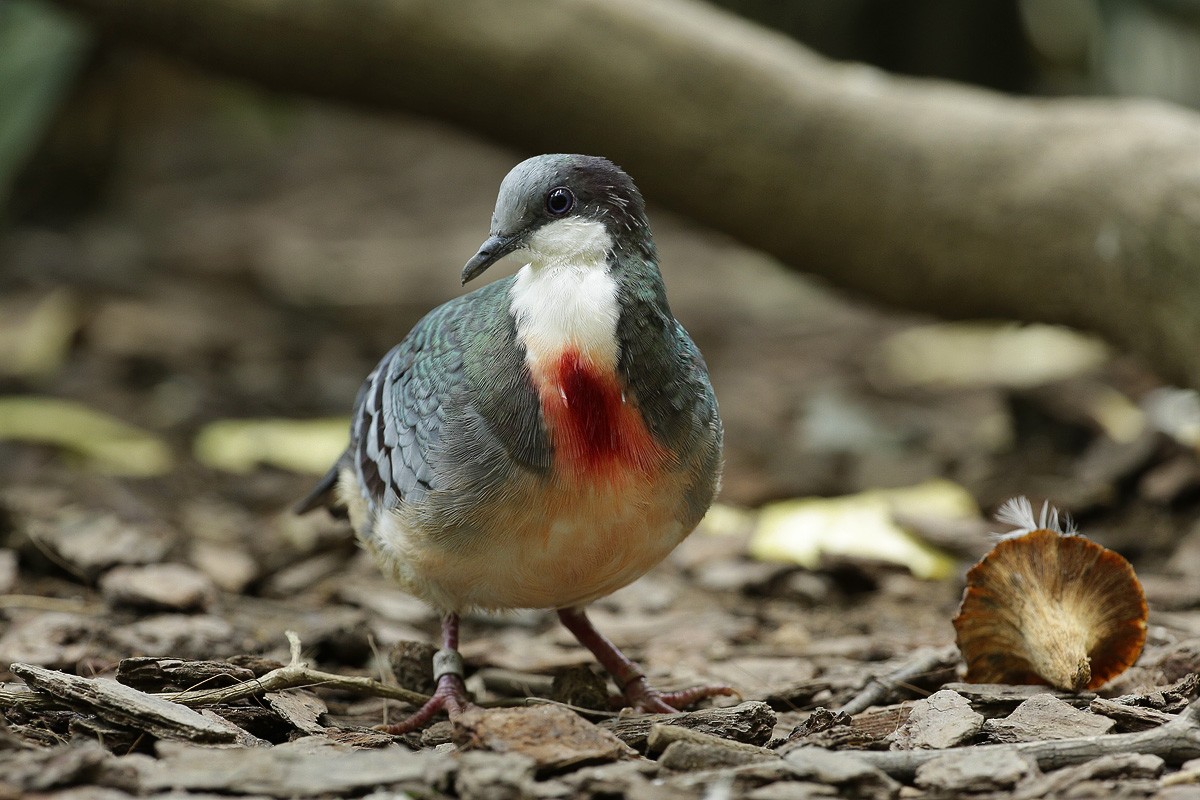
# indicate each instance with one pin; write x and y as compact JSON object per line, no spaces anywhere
{"x":41,"y":51}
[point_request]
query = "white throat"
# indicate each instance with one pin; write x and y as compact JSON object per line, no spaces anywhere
{"x":564,"y":297}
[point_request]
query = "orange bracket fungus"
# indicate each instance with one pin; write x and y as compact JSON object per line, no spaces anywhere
{"x":1048,"y":606}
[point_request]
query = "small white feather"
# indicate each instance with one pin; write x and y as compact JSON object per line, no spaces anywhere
{"x":1018,"y":512}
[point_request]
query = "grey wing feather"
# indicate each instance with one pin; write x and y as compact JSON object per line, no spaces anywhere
{"x":398,"y":419}
{"x":418,"y":429}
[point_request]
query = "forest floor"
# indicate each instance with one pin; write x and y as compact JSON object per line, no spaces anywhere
{"x":252,"y":257}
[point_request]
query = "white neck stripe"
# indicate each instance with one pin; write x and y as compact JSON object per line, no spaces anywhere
{"x":565,"y":297}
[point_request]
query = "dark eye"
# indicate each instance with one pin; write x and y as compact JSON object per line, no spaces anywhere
{"x":559,"y":201}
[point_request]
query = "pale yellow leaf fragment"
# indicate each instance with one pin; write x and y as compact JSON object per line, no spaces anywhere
{"x":35,"y":338}
{"x":1117,"y":415}
{"x":725,"y":520}
{"x":861,"y":526}
{"x":106,"y":443}
{"x":974,"y":354}
{"x":240,"y":445}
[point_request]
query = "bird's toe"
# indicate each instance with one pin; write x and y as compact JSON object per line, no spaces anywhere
{"x":451,"y":696}
{"x":640,"y":696}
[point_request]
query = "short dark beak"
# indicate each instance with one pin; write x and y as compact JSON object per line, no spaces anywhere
{"x":491,"y":251}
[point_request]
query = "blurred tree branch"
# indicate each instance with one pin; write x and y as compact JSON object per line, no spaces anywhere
{"x":921,"y":194}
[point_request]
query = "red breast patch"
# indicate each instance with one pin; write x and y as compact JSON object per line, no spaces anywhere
{"x":594,"y":427}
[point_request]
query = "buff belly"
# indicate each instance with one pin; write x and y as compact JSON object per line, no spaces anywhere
{"x":555,"y":545}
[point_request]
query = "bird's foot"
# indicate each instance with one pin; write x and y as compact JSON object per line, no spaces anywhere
{"x":641,"y":696}
{"x":638,"y":694}
{"x":451,"y":697}
{"x":451,"y":693}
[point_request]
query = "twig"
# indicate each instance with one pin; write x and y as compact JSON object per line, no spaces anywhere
{"x":878,"y":688}
{"x":511,"y":682}
{"x":586,"y":713}
{"x":295,"y":675}
{"x":39,"y":603}
{"x":1176,"y":742}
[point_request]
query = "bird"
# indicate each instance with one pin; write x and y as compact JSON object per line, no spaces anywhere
{"x":544,"y":440}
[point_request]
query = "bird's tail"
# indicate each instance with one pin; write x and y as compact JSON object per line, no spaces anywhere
{"x":324,"y":495}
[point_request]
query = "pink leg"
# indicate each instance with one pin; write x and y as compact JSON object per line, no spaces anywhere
{"x":451,"y":694}
{"x":639,"y":695}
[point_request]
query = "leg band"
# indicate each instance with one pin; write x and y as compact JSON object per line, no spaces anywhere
{"x":447,"y":662}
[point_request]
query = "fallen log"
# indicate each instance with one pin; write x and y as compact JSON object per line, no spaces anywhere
{"x":922,"y":194}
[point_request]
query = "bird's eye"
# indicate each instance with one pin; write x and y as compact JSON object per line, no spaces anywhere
{"x":559,"y":201}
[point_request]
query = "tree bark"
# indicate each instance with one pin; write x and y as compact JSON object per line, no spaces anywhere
{"x":917,"y":193}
